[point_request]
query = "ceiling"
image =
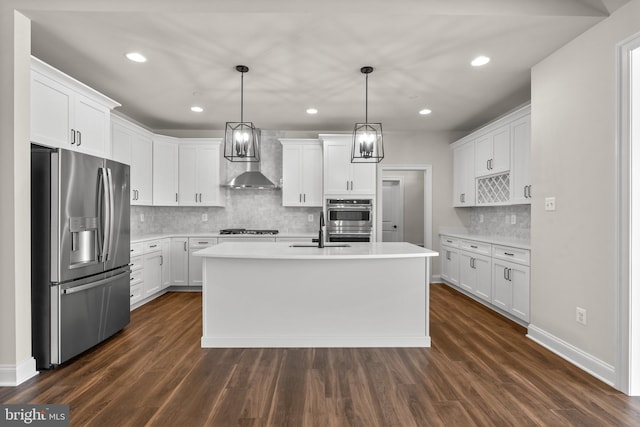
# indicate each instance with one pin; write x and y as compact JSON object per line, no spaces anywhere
{"x":305,"y":54}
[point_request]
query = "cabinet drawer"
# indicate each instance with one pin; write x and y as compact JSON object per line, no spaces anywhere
{"x":195,"y":242}
{"x":476,"y":247}
{"x":449,"y":241}
{"x":136,"y":293}
{"x":135,"y":277}
{"x":136,"y":249}
{"x":152,"y":246}
{"x":520,"y":256}
{"x":136,"y":263}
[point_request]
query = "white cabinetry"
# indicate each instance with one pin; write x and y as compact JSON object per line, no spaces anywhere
{"x":450,"y":260}
{"x":341,"y":177}
{"x":464,"y":180}
{"x":301,"y":172}
{"x":179,"y":261}
{"x":165,"y":171}
{"x":475,"y":268}
{"x":152,"y":270}
{"x":166,"y":263}
{"x":511,"y":280}
{"x":200,"y":170}
{"x":136,"y":281}
{"x":195,"y":262}
{"x":493,"y":152}
{"x":68,"y":114}
{"x":133,"y":145}
{"x":521,"y":161}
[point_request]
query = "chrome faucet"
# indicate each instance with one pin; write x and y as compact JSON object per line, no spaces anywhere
{"x":321,"y":231}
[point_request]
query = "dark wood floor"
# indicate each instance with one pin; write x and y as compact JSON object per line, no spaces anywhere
{"x":480,"y":370}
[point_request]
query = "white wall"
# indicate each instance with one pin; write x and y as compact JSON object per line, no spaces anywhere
{"x":15,"y":293}
{"x":574,"y":159}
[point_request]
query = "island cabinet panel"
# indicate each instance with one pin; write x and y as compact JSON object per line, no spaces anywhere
{"x":275,"y":295}
{"x":301,"y":172}
{"x":341,"y":177}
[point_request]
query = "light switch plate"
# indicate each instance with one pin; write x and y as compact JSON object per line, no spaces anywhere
{"x":310,"y":218}
{"x":205,"y":217}
{"x":513,"y":219}
{"x":141,"y":217}
{"x":481,"y":218}
{"x":550,"y":204}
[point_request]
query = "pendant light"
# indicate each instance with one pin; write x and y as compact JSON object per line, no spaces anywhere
{"x":367,"y":137}
{"x":241,"y":139}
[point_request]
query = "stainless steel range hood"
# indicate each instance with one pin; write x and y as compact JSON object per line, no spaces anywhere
{"x":252,"y":179}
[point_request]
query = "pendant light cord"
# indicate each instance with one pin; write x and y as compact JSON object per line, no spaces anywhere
{"x":241,"y":97}
{"x":366,"y":98}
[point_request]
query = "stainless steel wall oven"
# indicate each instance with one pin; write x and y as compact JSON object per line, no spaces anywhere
{"x":349,"y":220}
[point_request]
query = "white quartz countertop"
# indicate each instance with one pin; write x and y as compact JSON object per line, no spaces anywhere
{"x":285,"y":250}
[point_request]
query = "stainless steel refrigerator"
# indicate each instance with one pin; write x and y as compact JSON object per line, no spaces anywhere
{"x":80,"y":238}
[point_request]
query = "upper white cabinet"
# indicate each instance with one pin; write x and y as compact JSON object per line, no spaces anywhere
{"x":341,"y":177}
{"x":68,"y":114}
{"x":521,"y":161}
{"x":165,"y":171}
{"x":491,"y":166}
{"x":133,"y":145}
{"x":493,"y":152}
{"x":464,"y":181}
{"x":200,"y":170}
{"x":301,"y":172}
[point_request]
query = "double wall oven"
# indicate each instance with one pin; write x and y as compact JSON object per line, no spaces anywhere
{"x":349,"y":220}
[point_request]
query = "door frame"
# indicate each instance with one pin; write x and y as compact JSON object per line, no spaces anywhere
{"x":628,"y":230}
{"x":400,"y":180}
{"x":427,"y":174}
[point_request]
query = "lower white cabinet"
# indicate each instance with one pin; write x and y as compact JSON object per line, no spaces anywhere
{"x":511,"y":288}
{"x":179,"y":261}
{"x":496,"y":274}
{"x":165,"y":262}
{"x":450,"y":260}
{"x":475,"y":274}
{"x":195,"y":262}
{"x":152,"y":267}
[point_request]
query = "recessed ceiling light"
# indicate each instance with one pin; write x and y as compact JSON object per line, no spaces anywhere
{"x":197,"y":109}
{"x":312,"y":111}
{"x":480,"y":61}
{"x":136,"y":57}
{"x":424,"y":112}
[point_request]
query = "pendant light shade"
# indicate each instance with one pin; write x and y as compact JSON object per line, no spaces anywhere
{"x":241,"y":139}
{"x":367,"y":144}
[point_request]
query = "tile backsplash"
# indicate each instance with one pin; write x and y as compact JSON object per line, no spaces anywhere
{"x":258,"y":209}
{"x":494,"y":221}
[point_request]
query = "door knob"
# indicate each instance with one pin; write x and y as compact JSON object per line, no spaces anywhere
{"x":395,"y":226}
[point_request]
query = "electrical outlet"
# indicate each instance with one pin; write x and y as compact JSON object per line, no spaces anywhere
{"x":141,"y":217}
{"x":581,"y":315}
{"x":205,"y":217}
{"x":513,"y":219}
{"x":550,"y":204}
{"x":310,"y":218}
{"x":481,"y":218}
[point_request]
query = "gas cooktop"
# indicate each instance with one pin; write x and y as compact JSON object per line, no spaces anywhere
{"x":245,"y":231}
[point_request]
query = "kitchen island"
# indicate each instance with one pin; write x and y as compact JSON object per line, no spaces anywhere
{"x":258,"y":294}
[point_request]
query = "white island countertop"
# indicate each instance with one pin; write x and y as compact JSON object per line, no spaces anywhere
{"x":288,"y":250}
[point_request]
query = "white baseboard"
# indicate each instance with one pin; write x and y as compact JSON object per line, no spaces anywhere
{"x":13,"y":375}
{"x":318,"y":342}
{"x":583,"y":360}
{"x":435,"y":278}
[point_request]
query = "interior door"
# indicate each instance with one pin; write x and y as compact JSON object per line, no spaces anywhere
{"x":392,"y":210}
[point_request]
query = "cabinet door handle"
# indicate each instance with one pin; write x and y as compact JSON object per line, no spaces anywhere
{"x":137,"y":195}
{"x":196,"y":197}
{"x":509,"y":274}
{"x":176,"y":197}
{"x":300,"y":197}
{"x":347,"y":185}
{"x":73,"y":136}
{"x":161,"y":259}
{"x":153,"y":246}
{"x":304,"y":198}
{"x":464,"y":197}
{"x":508,"y":254}
{"x":488,"y":165}
{"x":505,"y":274}
{"x":79,"y":138}
{"x":351,"y":185}
{"x":185,"y":246}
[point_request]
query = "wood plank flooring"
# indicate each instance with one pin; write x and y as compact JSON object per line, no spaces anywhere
{"x":481,"y":370}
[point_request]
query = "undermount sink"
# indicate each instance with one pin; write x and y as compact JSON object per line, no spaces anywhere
{"x":315,"y":245}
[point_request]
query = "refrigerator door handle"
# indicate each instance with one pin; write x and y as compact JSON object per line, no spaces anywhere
{"x":112,"y":214}
{"x":72,"y":290}
{"x":107,"y":219}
